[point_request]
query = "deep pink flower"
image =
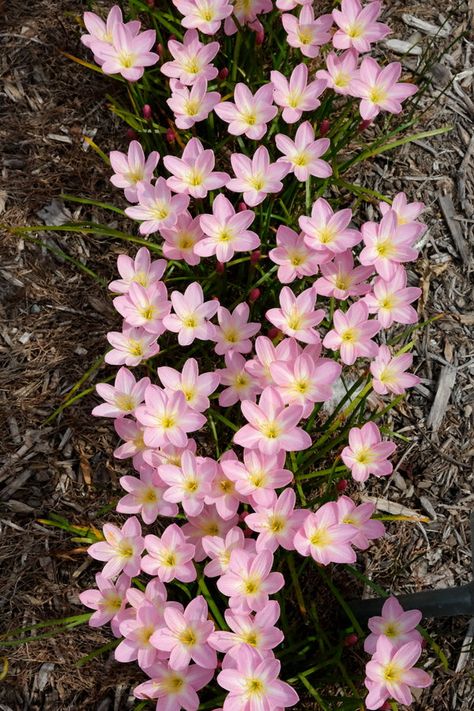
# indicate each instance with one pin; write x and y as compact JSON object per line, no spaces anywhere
{"x":379,"y":89}
{"x":352,"y":333}
{"x":258,"y":475}
{"x":389,"y":374}
{"x":131,"y":168}
{"x":108,"y":600}
{"x":156,"y":207}
{"x":191,"y":105}
{"x":180,"y":240}
{"x":358,"y":27}
{"x":256,"y":177}
{"x":277,"y":524}
{"x":121,"y":549}
{"x":303,"y":154}
{"x":129,"y":53}
{"x":306,"y":33}
{"x":249,"y":581}
{"x":145,"y":307}
{"x":250,"y":631}
{"x":234,"y":331}
{"x":366,"y":453}
{"x":145,"y":496}
{"x":140,"y":270}
{"x":388,"y":244}
{"x":297,"y":316}
{"x":193,"y":174}
{"x":327,"y":230}
{"x":325,"y":539}
{"x":131,"y":346}
{"x":174,"y":689}
{"x":368,"y":529}
{"x":240,"y":384}
{"x":296,"y":95}
{"x":169,"y":557}
{"x":293,"y":256}
{"x":191,"y":314}
{"x":340,"y":279}
{"x":391,"y":300}
{"x":395,"y":624}
{"x":195,"y":388}
{"x":121,"y":398}
{"x":204,"y":15}
{"x":226,"y":231}
{"x":340,"y":71}
{"x":191,"y":59}
{"x":250,"y":113}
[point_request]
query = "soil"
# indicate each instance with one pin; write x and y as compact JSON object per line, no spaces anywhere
{"x":54,"y":319}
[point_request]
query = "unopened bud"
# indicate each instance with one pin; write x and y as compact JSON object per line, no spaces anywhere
{"x":350,"y":640}
{"x":220,"y":267}
{"x":386,"y":706}
{"x":254,"y":295}
{"x":241,"y":207}
{"x":147,"y":112}
{"x":341,"y":485}
{"x":259,"y":37}
{"x":131,"y":134}
{"x":363,"y":125}
{"x":273,"y":332}
{"x":324,"y":127}
{"x":160,"y":49}
{"x":150,"y":3}
{"x":170,"y":135}
{"x":223,"y":74}
{"x":255,"y":256}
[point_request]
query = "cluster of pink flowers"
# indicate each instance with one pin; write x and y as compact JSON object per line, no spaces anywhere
{"x":241,"y":507}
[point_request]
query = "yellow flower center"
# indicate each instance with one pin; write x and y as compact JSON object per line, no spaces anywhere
{"x":160,"y":211}
{"x":254,"y":687}
{"x":191,"y":107}
{"x":188,"y":637}
{"x":125,"y":402}
{"x":125,"y":549}
{"x":191,"y":65}
{"x":341,"y":80}
{"x":270,"y":430}
{"x":135,"y":347}
{"x":148,"y":496}
{"x":342,"y":282}
{"x":251,"y":586}
{"x":276,"y":524}
{"x":349,"y":335}
{"x":392,"y":673}
{"x":377,"y":95}
{"x":385,"y":249}
{"x":321,"y":538}
{"x":173,"y":684}
{"x":169,"y":559}
{"x":250,"y":638}
{"x":250,"y":117}
{"x":190,"y":322}
{"x":167,"y":422}
{"x":191,"y":485}
{"x":126,"y":59}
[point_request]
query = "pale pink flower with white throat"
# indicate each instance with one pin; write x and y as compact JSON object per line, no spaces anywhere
{"x":352,"y":333}
{"x":170,"y":556}
{"x":207,"y":523}
{"x":204,"y":15}
{"x":136,"y":632}
{"x":358,"y":26}
{"x":295,"y":95}
{"x":191,"y":315}
{"x":251,"y":631}
{"x":167,"y":418}
{"x":398,"y":625}
{"x":389,"y":374}
{"x":190,"y":483}
{"x":174,"y":689}
{"x":257,"y":477}
{"x":303,"y":154}
{"x":388,"y":244}
{"x":297,"y":316}
{"x":366,"y":453}
{"x":191,"y":105}
{"x":145,"y":496}
{"x":100,"y":31}
{"x":226,"y":231}
{"x":108,"y":600}
{"x":234,"y":331}
{"x":193,"y":174}
{"x":195,"y":387}
{"x":256,"y":177}
{"x":407,"y":212}
{"x":250,"y":113}
{"x":240,"y":384}
{"x":145,"y":307}
{"x":121,"y":549}
{"x":180,"y":240}
{"x":131,"y":168}
{"x":340,"y":279}
{"x":131,"y":346}
{"x":129,"y":53}
{"x":368,"y":529}
{"x":248,"y":581}
{"x":329,"y":231}
{"x":305,"y":33}
{"x":121,"y":398}
{"x":191,"y":59}
{"x":391,"y":300}
{"x":340,"y":71}
{"x":379,"y":88}
{"x":140,"y":270}
{"x":325,"y":539}
{"x":156,"y":207}
{"x":295,"y":259}
{"x":277,"y":524}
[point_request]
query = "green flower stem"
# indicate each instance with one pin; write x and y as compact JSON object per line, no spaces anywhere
{"x":341,"y":601}
{"x":313,"y":692}
{"x":210,"y":601}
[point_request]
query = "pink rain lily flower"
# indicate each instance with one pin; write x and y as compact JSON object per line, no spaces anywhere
{"x":156,"y":207}
{"x":180,"y":240}
{"x":266,"y":353}
{"x":140,"y":270}
{"x":296,"y":316}
{"x":366,"y":453}
{"x":204,"y":15}
{"x":246,"y":12}
{"x":296,"y":95}
{"x":145,"y":496}
{"x":131,"y":346}
{"x":256,"y":177}
{"x":167,"y":418}
{"x":234,"y":331}
{"x":219,"y":550}
{"x":388,"y":244}
{"x":395,"y":624}
{"x":391,"y":673}
{"x":293,"y":256}
{"x":169,"y":557}
{"x":358,"y":27}
{"x":208,"y":523}
{"x":379,"y":88}
{"x":325,"y":539}
{"x":340,"y":279}
{"x":131,"y":432}
{"x":174,"y":690}
{"x":250,"y":113}
{"x":329,"y":231}
{"x":305,"y":33}
{"x":341,"y":70}
{"x":303,"y":155}
{"x":389,"y":374}
{"x":100,"y":31}
{"x":287,"y":5}
{"x":108,"y":600}
{"x":137,"y":632}
{"x":305,"y":380}
{"x":191,"y":59}
{"x":254,"y":684}
{"x":272,"y":426}
{"x":191,"y":105}
{"x":368,"y":529}
{"x":129,"y":53}
{"x":223,"y":493}
{"x":145,"y":307}
{"x":258,"y":475}
{"x":193,"y":174}
{"x":226,"y":231}
{"x":185,"y":636}
{"x":121,"y":398}
{"x":131,"y":168}
{"x":249,"y":631}
{"x":352,"y":333}
{"x":391,"y":300}
{"x":121,"y":549}
{"x":191,"y":314}
{"x":195,"y":388}
{"x":189,"y":483}
{"x":240,"y":384}
{"x":277,"y":524}
{"x":407,"y":212}
{"x":249,"y":581}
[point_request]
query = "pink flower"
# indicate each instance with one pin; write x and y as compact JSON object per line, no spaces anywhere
{"x":293,"y":256}
{"x":193,"y":173}
{"x":306,"y":33}
{"x":249,"y":581}
{"x":121,"y":549}
{"x":132,"y":168}
{"x":233,"y":332}
{"x":250,"y":113}
{"x":272,"y":426}
{"x":391,"y":300}
{"x":390,"y":673}
{"x":357,"y":26}
{"x":174,"y":690}
{"x":389,"y":374}
{"x":277,"y":524}
{"x":134,"y":446}
{"x":249,"y":631}
{"x":325,"y":539}
{"x":137,"y":633}
{"x":156,"y":207}
{"x":395,"y":624}
{"x":219,"y":550}
{"x":140,"y":270}
{"x":366,"y":453}
{"x":169,"y":557}
{"x":226,"y":231}
{"x":194,"y":387}
{"x":303,"y":155}
{"x":208,"y":523}
{"x":169,"y":454}
{"x":122,"y":397}
{"x":145,"y":496}
{"x":191,"y":314}
{"x":100,"y":31}
{"x":167,"y":418}
{"x":257,"y":177}
{"x":296,"y":95}
{"x":387,"y":244}
{"x":145,"y":308}
{"x":107,"y":601}
{"x":189,"y":483}
{"x":327,"y":230}
{"x":191,"y":59}
{"x":296,"y":316}
{"x":247,"y":12}
{"x":128,"y":53}
{"x":191,"y":105}
{"x":131,"y":346}
{"x":258,"y":476}
{"x":305,"y":380}
{"x":368,"y":529}
{"x":223,"y":493}
{"x":340,"y":71}
{"x":407,"y":212}
{"x":240,"y":384}
{"x":379,"y":89}
{"x":286,"y":5}
{"x":266,"y":353}
{"x":254,"y":683}
{"x":340,"y":279}
{"x":180,"y":240}
{"x":204,"y":15}
{"x":352,"y":333}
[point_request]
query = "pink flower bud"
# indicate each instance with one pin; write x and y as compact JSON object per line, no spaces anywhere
{"x":160,"y":49}
{"x":386,"y":707}
{"x":243,"y":516}
{"x":324,"y":127}
{"x":259,"y":37}
{"x":241,"y":207}
{"x":363,"y":125}
{"x":255,"y":256}
{"x":273,"y":332}
{"x":223,"y":74}
{"x":131,"y":134}
{"x":150,"y":3}
{"x":220,"y":267}
{"x":170,"y":135}
{"x":341,"y":485}
{"x":350,"y":640}
{"x":147,"y":112}
{"x":254,"y":295}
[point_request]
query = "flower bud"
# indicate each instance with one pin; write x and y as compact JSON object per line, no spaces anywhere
{"x":131,"y":134}
{"x":324,"y":127}
{"x":341,"y":485}
{"x":254,"y":295}
{"x":223,"y":74}
{"x":170,"y":135}
{"x":150,"y":3}
{"x":350,"y":640}
{"x":273,"y":332}
{"x":363,"y":125}
{"x":255,"y":256}
{"x":386,"y":707}
{"x":259,"y":37}
{"x":241,"y":207}
{"x":220,"y":267}
{"x":147,"y":112}
{"x":160,"y":49}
